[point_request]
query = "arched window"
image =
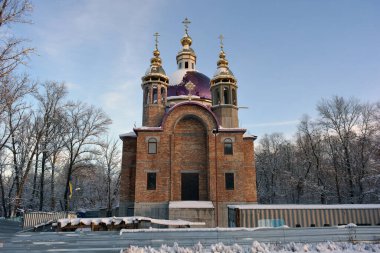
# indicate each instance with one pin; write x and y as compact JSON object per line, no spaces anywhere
{"x":226,"y":95}
{"x":152,"y":146}
{"x":228,"y":148}
{"x":234,"y":97}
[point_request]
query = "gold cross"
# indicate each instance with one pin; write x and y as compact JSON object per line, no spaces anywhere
{"x":189,"y":87}
{"x":221,"y":41}
{"x":156,"y":40}
{"x":186,"y":23}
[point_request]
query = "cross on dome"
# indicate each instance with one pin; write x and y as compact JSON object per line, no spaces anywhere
{"x":186,"y":23}
{"x":221,"y":37}
{"x":156,"y":39}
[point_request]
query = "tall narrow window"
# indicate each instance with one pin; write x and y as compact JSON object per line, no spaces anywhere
{"x":226,"y":95}
{"x":234,"y":97}
{"x":192,"y":65}
{"x":217,"y":95}
{"x":163,"y":95}
{"x":152,"y":146}
{"x":186,"y":65}
{"x":147,"y":98}
{"x":154,"y":95}
{"x":228,"y":149}
{"x":180,"y":65}
{"x":151,"y":181}
{"x":230,"y":182}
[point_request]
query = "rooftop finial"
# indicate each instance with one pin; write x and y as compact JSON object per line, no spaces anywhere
{"x":221,"y":37}
{"x":156,"y":39}
{"x":222,"y":56}
{"x":156,"y":53}
{"x":186,"y":23}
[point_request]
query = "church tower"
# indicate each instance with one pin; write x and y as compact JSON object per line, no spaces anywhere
{"x":154,"y":84}
{"x":223,"y":92}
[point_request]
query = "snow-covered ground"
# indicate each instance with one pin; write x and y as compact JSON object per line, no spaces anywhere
{"x":257,"y":247}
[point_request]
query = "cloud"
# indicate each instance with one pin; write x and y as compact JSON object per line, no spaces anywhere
{"x":275,"y":123}
{"x":71,"y":85}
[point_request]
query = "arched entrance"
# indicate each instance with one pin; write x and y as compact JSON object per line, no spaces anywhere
{"x":190,"y":156}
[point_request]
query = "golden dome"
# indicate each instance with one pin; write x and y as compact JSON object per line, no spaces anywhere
{"x":186,"y":40}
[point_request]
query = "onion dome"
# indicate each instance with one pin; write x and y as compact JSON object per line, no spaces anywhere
{"x":223,"y":69}
{"x":155,"y":63}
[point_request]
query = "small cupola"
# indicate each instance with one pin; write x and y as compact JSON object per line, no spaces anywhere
{"x":186,"y":58}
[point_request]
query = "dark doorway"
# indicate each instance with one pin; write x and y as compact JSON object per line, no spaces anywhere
{"x":190,"y":186}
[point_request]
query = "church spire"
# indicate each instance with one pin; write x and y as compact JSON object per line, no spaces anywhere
{"x":186,"y":39}
{"x":186,"y":58}
{"x":156,"y":60}
{"x":222,"y":62}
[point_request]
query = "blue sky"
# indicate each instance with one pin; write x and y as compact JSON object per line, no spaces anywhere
{"x":286,"y":55}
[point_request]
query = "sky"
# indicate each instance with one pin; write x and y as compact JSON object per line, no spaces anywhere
{"x":286,"y":55}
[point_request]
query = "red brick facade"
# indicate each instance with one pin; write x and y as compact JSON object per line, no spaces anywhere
{"x":197,"y":150}
{"x":188,"y":141}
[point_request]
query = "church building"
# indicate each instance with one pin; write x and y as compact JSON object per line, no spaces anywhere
{"x":189,"y":159}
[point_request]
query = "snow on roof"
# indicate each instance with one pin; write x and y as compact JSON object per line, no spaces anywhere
{"x":177,"y":76}
{"x":129,"y":134}
{"x":344,"y":206}
{"x":126,"y":220}
{"x":247,"y":135}
{"x":142,"y":128}
{"x":190,"y":204}
{"x":223,"y":129}
{"x":182,"y":97}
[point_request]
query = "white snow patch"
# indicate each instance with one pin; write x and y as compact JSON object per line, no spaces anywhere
{"x":130,"y":134}
{"x":191,"y":204}
{"x":126,"y":220}
{"x":257,"y":247}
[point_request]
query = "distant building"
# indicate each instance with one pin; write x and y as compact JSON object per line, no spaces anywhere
{"x":189,"y":159}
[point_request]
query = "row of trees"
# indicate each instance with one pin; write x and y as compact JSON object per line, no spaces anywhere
{"x":47,"y":143}
{"x":334,"y":158}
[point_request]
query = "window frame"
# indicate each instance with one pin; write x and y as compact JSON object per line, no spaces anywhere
{"x":152,"y":141}
{"x":228,"y":142}
{"x":229,"y":185}
{"x":151,"y":185}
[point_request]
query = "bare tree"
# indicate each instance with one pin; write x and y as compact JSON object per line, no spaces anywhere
{"x":339,"y":117}
{"x":110,"y":161}
{"x":309,"y":141}
{"x":51,"y":114}
{"x":12,"y":52}
{"x":271,"y":160}
{"x":87,"y":124}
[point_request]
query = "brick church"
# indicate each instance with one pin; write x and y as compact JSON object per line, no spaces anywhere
{"x":189,"y":159}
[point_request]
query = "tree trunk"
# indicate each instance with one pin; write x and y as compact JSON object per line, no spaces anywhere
{"x":34,"y":179}
{"x":52,"y":201}
{"x":42,"y":182}
{"x":65,"y":197}
{"x":3,"y":195}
